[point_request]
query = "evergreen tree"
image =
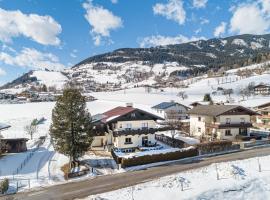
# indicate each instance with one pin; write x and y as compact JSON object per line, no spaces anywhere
{"x":207,"y":97}
{"x":44,"y":88}
{"x":71,"y":130}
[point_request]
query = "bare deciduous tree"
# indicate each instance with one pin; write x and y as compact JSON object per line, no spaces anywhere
{"x":182,"y":95}
{"x":32,"y":128}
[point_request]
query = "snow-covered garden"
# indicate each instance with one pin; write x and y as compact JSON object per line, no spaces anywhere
{"x":244,"y":179}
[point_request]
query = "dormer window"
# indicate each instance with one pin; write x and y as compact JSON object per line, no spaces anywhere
{"x":133,"y":115}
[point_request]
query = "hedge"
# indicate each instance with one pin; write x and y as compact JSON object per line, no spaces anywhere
{"x":216,"y":146}
{"x":142,"y":160}
{"x":115,"y":157}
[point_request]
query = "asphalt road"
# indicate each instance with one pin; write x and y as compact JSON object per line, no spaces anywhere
{"x":108,"y":183}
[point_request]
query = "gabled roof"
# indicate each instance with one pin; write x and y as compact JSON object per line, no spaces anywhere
{"x":217,"y":110}
{"x":261,"y":85}
{"x":165,"y":105}
{"x":262,"y":106}
{"x":117,"y":112}
{"x":3,"y":126}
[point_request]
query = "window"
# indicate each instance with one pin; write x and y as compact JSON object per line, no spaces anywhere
{"x":264,"y":113}
{"x":199,"y":119}
{"x":199,"y":130}
{"x":243,"y":131}
{"x":144,"y":125}
{"x":133,"y":115}
{"x":128,"y":141}
{"x":228,"y":120}
{"x":128,"y":126}
{"x":228,"y":132}
{"x":242,"y":120}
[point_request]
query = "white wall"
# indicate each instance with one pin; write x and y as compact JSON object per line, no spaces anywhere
{"x":234,"y":118}
{"x":181,"y":110}
{"x":195,"y":124}
{"x":135,"y":124}
{"x":136,"y":140}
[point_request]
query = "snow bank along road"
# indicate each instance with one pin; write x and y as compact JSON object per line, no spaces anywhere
{"x":108,"y":183}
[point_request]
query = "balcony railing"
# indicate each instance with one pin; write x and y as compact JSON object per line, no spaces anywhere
{"x":229,"y":125}
{"x":139,"y":131}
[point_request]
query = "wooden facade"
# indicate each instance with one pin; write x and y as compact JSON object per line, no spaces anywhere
{"x":14,"y":145}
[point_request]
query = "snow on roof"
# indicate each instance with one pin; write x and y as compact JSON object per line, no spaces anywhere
{"x":165,"y":105}
{"x":4,"y":126}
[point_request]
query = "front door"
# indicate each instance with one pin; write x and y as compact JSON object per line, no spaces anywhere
{"x":144,"y":141}
{"x":243,"y":131}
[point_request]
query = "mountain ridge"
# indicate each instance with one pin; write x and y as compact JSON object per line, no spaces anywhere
{"x":130,"y":67}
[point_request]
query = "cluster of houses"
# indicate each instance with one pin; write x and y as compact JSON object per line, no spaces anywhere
{"x":33,"y":96}
{"x":128,"y":128}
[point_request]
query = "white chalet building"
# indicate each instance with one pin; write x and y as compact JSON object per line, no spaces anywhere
{"x":220,"y":121}
{"x":172,"y":110}
{"x":124,"y":128}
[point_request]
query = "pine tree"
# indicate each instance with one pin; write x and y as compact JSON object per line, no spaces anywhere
{"x":71,"y":130}
{"x":207,"y":97}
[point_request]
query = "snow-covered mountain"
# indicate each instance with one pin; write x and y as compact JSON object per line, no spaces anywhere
{"x":130,"y":67}
{"x":38,"y":78}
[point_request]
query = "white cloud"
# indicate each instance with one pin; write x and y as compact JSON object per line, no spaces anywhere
{"x":173,"y":10}
{"x":204,"y":21}
{"x":250,"y":18}
{"x":114,"y":1}
{"x":73,"y":55}
{"x":199,"y":3}
{"x":41,"y":29}
{"x":2,"y":72}
{"x":101,"y":20}
{"x":197,"y":31}
{"x":159,"y":40}
{"x":220,"y":29}
{"x":32,"y":58}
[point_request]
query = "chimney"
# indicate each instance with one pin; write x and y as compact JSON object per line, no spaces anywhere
{"x":129,"y":105}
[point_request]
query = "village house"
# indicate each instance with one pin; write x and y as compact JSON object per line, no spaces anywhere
{"x":220,"y":122}
{"x":262,"y":89}
{"x":124,"y":128}
{"x":172,"y":110}
{"x":262,"y":121}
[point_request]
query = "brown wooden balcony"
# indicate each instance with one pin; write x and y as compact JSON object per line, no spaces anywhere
{"x":228,"y":125}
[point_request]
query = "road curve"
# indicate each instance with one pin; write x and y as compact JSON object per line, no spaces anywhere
{"x":108,"y":183}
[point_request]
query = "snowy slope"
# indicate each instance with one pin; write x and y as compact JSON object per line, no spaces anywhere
{"x":50,"y":78}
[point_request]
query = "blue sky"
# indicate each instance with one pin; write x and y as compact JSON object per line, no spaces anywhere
{"x":55,"y":34}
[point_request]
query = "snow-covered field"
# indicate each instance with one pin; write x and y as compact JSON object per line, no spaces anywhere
{"x":237,"y":180}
